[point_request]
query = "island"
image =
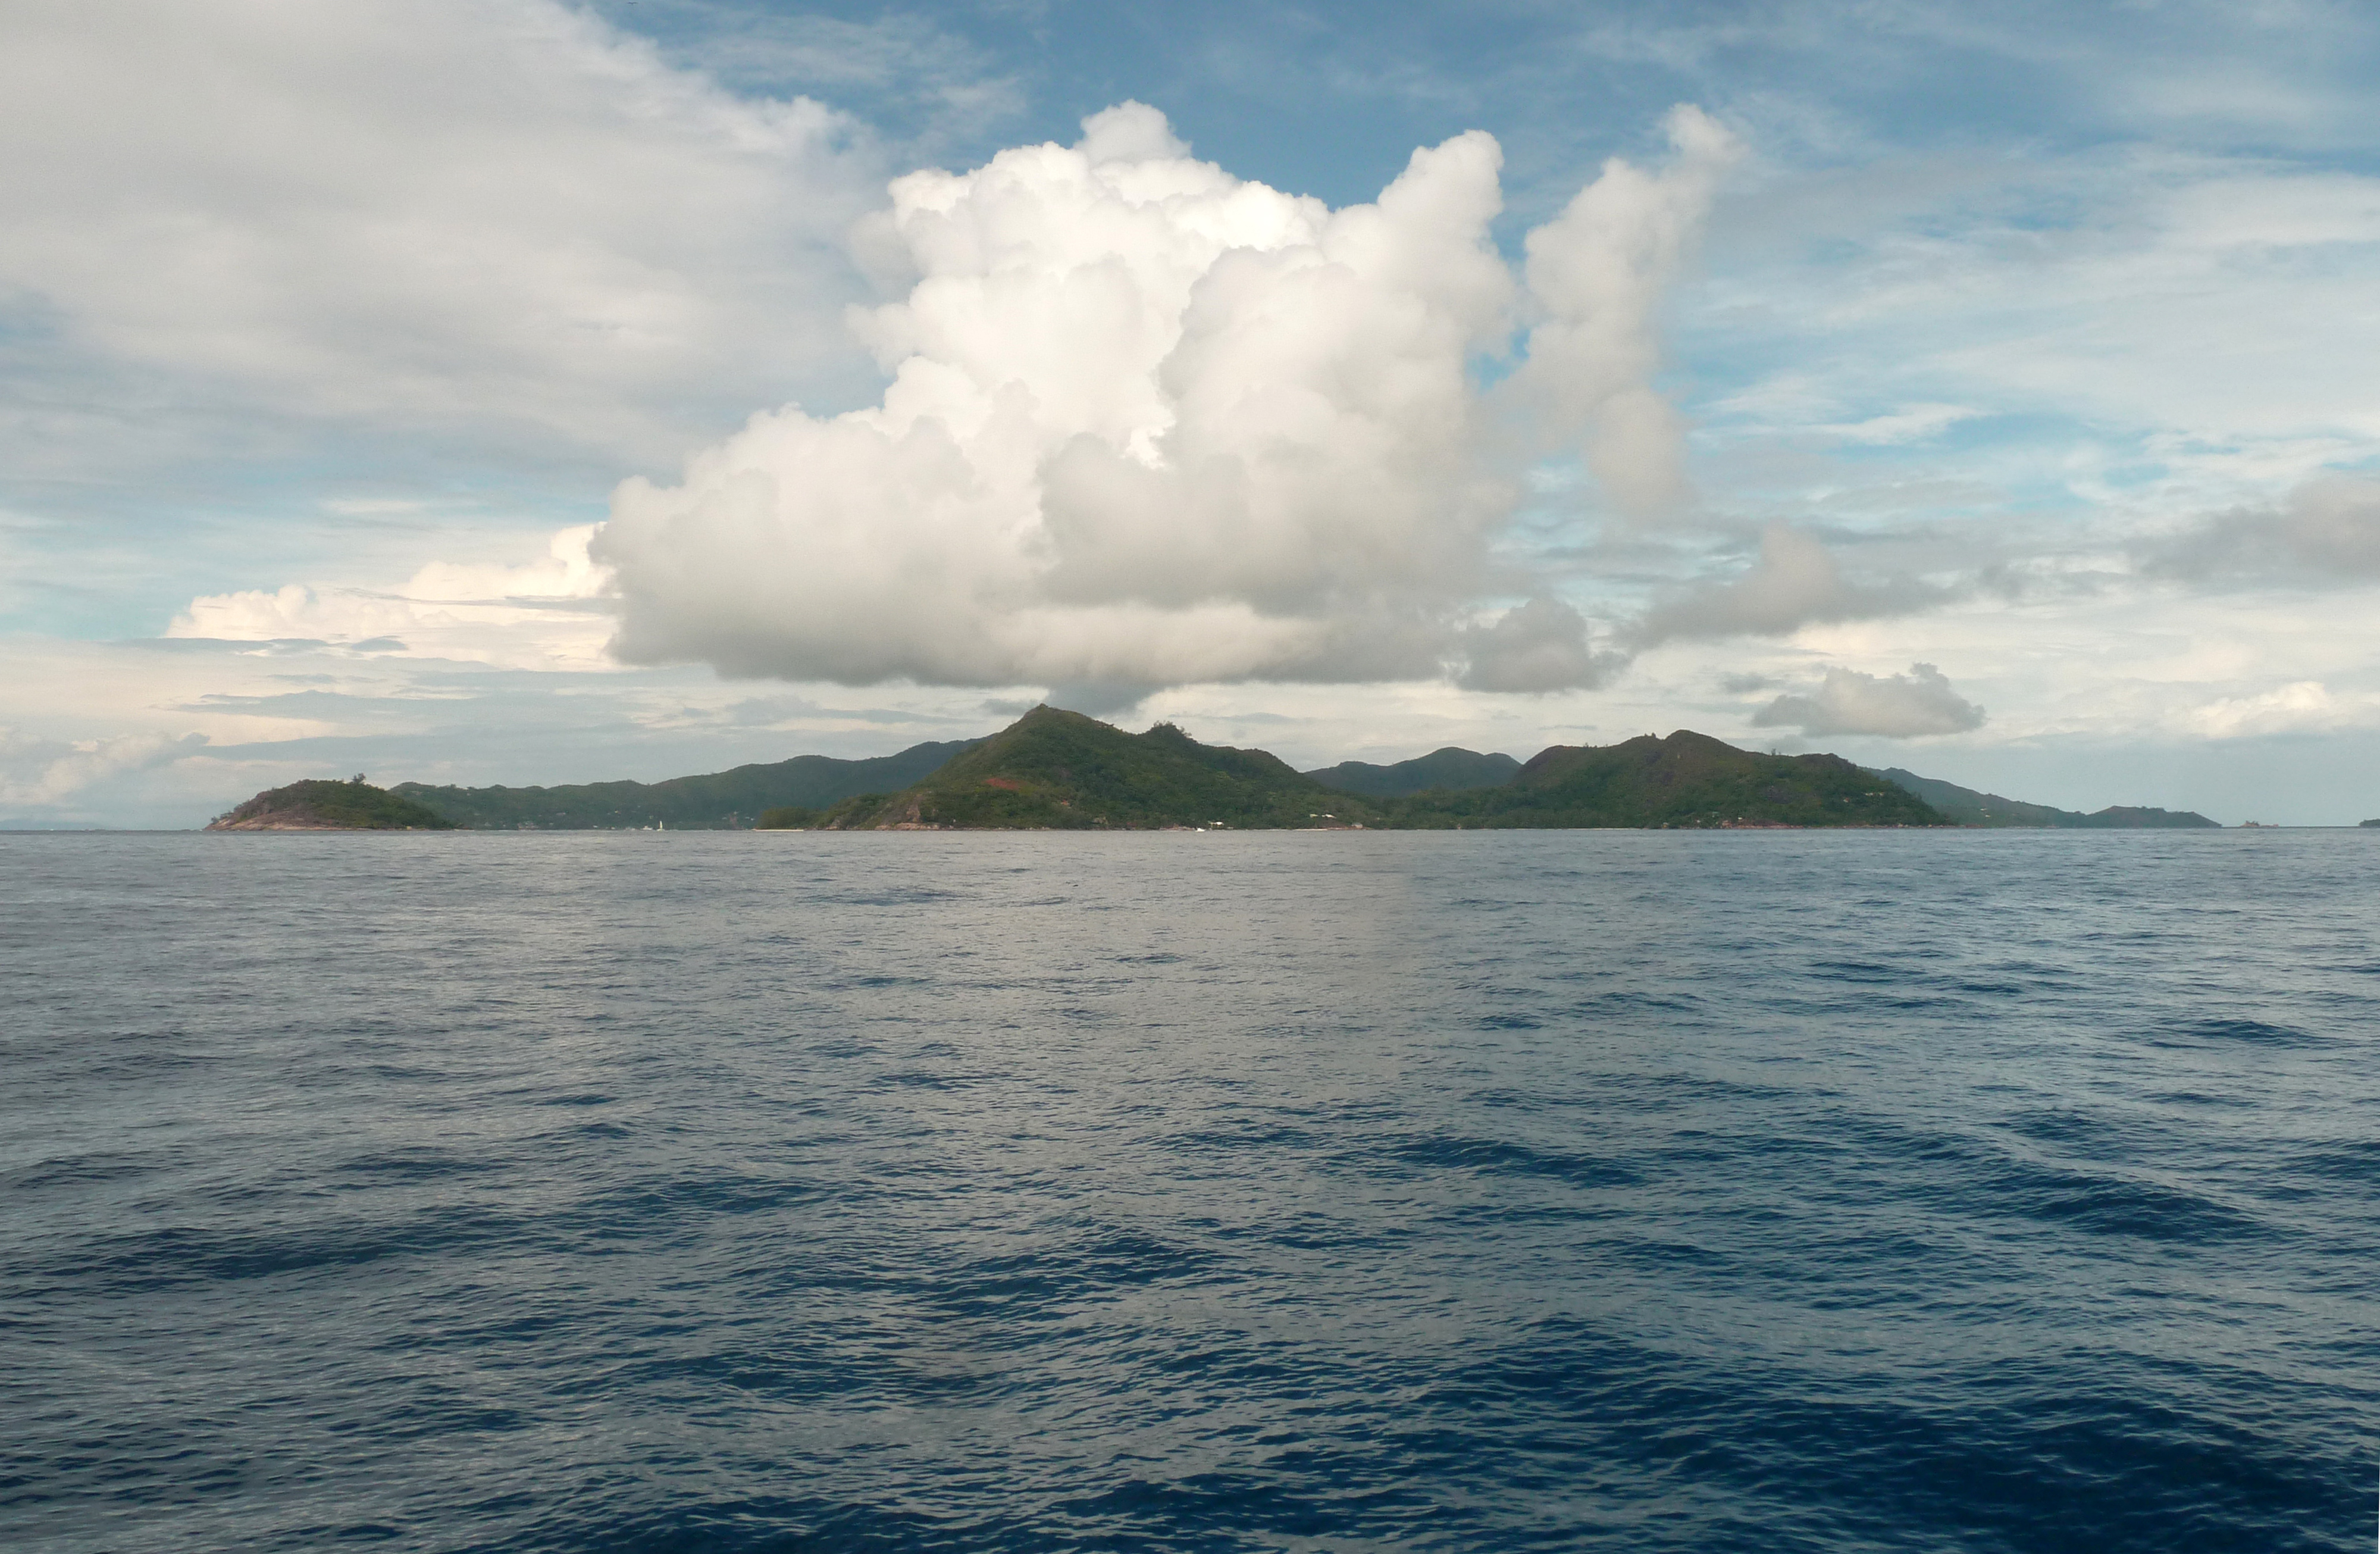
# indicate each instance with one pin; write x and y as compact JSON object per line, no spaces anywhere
{"x":324,"y":804}
{"x":1057,"y":770}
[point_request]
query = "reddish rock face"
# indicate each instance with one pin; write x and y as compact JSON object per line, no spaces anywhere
{"x":282,"y":821}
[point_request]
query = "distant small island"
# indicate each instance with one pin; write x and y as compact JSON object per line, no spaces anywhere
{"x":1965,"y":806}
{"x":323,"y":805}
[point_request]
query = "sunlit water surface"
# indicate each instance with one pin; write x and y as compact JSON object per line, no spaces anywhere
{"x":1606,"y":1191}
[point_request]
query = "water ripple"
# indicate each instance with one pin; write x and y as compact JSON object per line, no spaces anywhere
{"x":1987,"y":1192}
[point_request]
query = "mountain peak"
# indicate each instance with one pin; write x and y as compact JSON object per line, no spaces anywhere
{"x":1058,"y":770}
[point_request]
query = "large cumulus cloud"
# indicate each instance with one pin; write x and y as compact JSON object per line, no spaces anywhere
{"x":1149,"y":425}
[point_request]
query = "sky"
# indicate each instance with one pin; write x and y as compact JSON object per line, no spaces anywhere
{"x":519,"y":391}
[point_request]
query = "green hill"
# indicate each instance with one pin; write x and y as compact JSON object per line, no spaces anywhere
{"x":1965,"y":806}
{"x":321,"y":805}
{"x":720,"y":801}
{"x":1688,"y":780}
{"x":1450,"y":768}
{"x":1054,"y":770}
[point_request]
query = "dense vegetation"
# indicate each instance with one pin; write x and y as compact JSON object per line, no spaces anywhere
{"x":1688,"y":780}
{"x":720,"y":801}
{"x":1054,"y":770}
{"x":1965,"y":806}
{"x":322,"y":803}
{"x":1060,"y":770}
{"x":1449,"y":768}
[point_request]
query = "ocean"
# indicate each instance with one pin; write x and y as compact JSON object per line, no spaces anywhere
{"x":1616,"y":1191}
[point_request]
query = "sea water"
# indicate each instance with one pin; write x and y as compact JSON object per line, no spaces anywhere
{"x":1788,"y":1191}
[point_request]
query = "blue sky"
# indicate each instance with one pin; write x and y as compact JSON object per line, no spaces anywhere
{"x":2028,"y":343}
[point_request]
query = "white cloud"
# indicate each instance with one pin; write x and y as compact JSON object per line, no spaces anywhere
{"x":1794,"y":583}
{"x":1539,"y":645}
{"x":38,"y":772}
{"x":1913,"y":423}
{"x":2325,"y":531}
{"x":2301,"y":707}
{"x":2127,"y":665}
{"x":474,"y":214}
{"x":1152,"y":424}
{"x":552,"y":613}
{"x":2128,"y":319}
{"x":1894,"y":706}
{"x":1597,"y":276}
